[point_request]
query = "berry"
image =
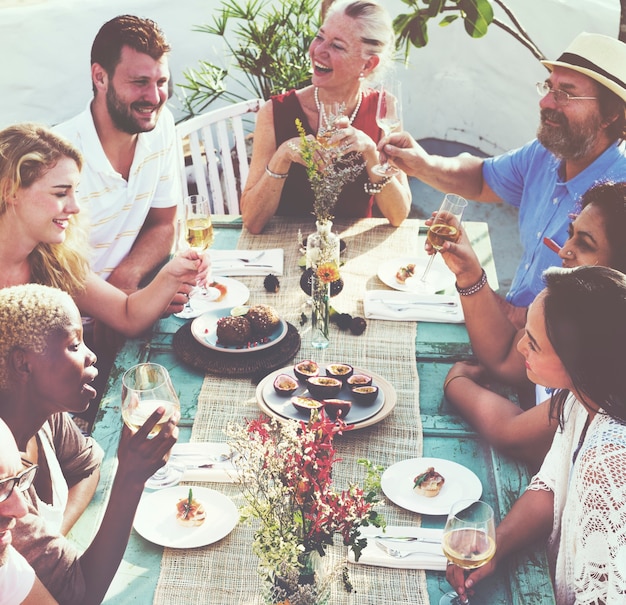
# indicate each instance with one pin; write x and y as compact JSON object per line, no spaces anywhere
{"x":343,"y":321}
{"x":271,"y":283}
{"x":357,"y":326}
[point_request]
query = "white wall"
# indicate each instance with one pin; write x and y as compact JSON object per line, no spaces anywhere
{"x":478,"y":92}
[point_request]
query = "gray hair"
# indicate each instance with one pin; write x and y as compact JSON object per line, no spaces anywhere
{"x":375,"y":30}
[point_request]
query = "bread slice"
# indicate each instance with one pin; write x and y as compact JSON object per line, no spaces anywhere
{"x":429,"y":483}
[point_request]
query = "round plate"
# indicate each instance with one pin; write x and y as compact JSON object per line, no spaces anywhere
{"x":155,"y":519}
{"x":439,"y":278}
{"x":461,"y":483}
{"x":203,"y":329}
{"x":236,"y":294}
{"x":360,"y":415}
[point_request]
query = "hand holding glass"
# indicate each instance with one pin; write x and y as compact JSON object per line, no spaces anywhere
{"x":200,"y":235}
{"x":145,"y":387}
{"x":388,"y":118}
{"x":469,"y":539}
{"x":445,"y":226}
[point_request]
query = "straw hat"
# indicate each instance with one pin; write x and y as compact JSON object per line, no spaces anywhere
{"x":602,"y":58}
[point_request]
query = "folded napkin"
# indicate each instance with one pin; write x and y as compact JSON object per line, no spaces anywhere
{"x":395,"y":305}
{"x":430,"y":556}
{"x":194,"y":455}
{"x":257,"y":262}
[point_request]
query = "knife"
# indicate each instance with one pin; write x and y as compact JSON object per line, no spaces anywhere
{"x":403,"y":303}
{"x":235,"y":264}
{"x":408,"y":539}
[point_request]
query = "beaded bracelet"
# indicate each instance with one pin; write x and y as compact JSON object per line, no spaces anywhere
{"x":481,"y":283}
{"x":275,"y":175}
{"x":375,"y":188}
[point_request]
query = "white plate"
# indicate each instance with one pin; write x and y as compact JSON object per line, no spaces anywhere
{"x":461,"y":483}
{"x":155,"y":519}
{"x":285,"y":410}
{"x":283,"y":406}
{"x":203,"y":329}
{"x":236,"y":294}
{"x":439,"y":278}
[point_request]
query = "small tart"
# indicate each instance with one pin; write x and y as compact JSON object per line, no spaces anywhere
{"x":190,"y":512}
{"x":428,"y":483}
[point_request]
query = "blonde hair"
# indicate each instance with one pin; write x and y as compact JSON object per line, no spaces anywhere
{"x":27,"y":152}
{"x":29,"y":314}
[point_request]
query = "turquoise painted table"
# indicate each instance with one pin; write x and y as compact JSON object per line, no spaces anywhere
{"x":524,"y":581}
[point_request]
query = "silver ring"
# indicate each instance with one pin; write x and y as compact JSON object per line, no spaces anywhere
{"x":568,"y":253}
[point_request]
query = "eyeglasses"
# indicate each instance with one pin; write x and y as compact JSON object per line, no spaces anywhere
{"x":22,"y":481}
{"x":561,"y":97}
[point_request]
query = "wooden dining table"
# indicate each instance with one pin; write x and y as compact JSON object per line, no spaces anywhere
{"x":413,"y":357}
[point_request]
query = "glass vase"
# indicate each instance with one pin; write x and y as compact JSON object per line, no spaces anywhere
{"x":320,"y":307}
{"x":322,"y":246}
{"x":309,"y":585}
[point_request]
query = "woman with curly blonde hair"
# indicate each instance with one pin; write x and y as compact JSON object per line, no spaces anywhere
{"x":41,"y":240}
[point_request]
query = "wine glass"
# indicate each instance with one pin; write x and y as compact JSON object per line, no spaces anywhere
{"x":469,"y":539}
{"x":328,"y":116}
{"x":388,"y":118}
{"x":200,"y":235}
{"x":445,"y":226}
{"x":145,"y":387}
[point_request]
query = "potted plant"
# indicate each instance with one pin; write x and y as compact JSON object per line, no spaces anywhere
{"x":268,"y":47}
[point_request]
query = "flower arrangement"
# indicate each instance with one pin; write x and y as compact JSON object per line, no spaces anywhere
{"x":327,"y":172}
{"x":286,"y":479}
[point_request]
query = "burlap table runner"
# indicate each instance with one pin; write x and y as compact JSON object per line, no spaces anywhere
{"x":225,"y":572}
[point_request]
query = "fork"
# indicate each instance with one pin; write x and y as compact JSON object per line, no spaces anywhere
{"x":401,"y":554}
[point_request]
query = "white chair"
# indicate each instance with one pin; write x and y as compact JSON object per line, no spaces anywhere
{"x":216,"y":144}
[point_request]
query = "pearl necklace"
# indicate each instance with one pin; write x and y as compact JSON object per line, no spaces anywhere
{"x":319,"y":105}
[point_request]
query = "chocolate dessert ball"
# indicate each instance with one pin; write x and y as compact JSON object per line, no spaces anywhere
{"x":263,"y":319}
{"x":233,"y":331}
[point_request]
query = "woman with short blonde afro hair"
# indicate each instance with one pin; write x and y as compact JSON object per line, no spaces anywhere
{"x":28,"y":314}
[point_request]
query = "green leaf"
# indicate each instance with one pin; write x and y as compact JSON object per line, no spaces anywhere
{"x":447,"y":20}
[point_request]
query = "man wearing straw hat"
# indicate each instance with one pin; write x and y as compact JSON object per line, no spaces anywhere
{"x":579,"y":142}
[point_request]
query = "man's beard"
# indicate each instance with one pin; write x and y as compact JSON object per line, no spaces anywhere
{"x":563,"y":141}
{"x":121,"y":114}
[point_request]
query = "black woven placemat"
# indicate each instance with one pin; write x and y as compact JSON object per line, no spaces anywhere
{"x":233,"y":364}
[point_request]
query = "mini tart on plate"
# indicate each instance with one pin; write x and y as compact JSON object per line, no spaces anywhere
{"x":405,"y":273}
{"x":429,"y":483}
{"x":190,"y":512}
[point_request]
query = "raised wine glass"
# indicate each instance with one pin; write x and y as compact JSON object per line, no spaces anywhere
{"x":388,"y":118}
{"x":328,"y":116}
{"x":200,"y":235}
{"x":469,"y":539}
{"x":145,"y":387}
{"x":445,"y":227}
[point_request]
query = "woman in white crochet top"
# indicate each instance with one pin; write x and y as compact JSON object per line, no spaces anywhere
{"x":575,"y":342}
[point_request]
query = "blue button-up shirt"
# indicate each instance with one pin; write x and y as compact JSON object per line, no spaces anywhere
{"x":530,"y":179}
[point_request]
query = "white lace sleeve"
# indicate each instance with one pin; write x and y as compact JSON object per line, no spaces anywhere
{"x":597,"y":504}
{"x":538,"y":485}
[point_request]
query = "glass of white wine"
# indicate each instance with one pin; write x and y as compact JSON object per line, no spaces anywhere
{"x":200,"y":234}
{"x":328,"y":116}
{"x":445,"y":226}
{"x":388,"y":118}
{"x":145,"y":387}
{"x":469,"y":539}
